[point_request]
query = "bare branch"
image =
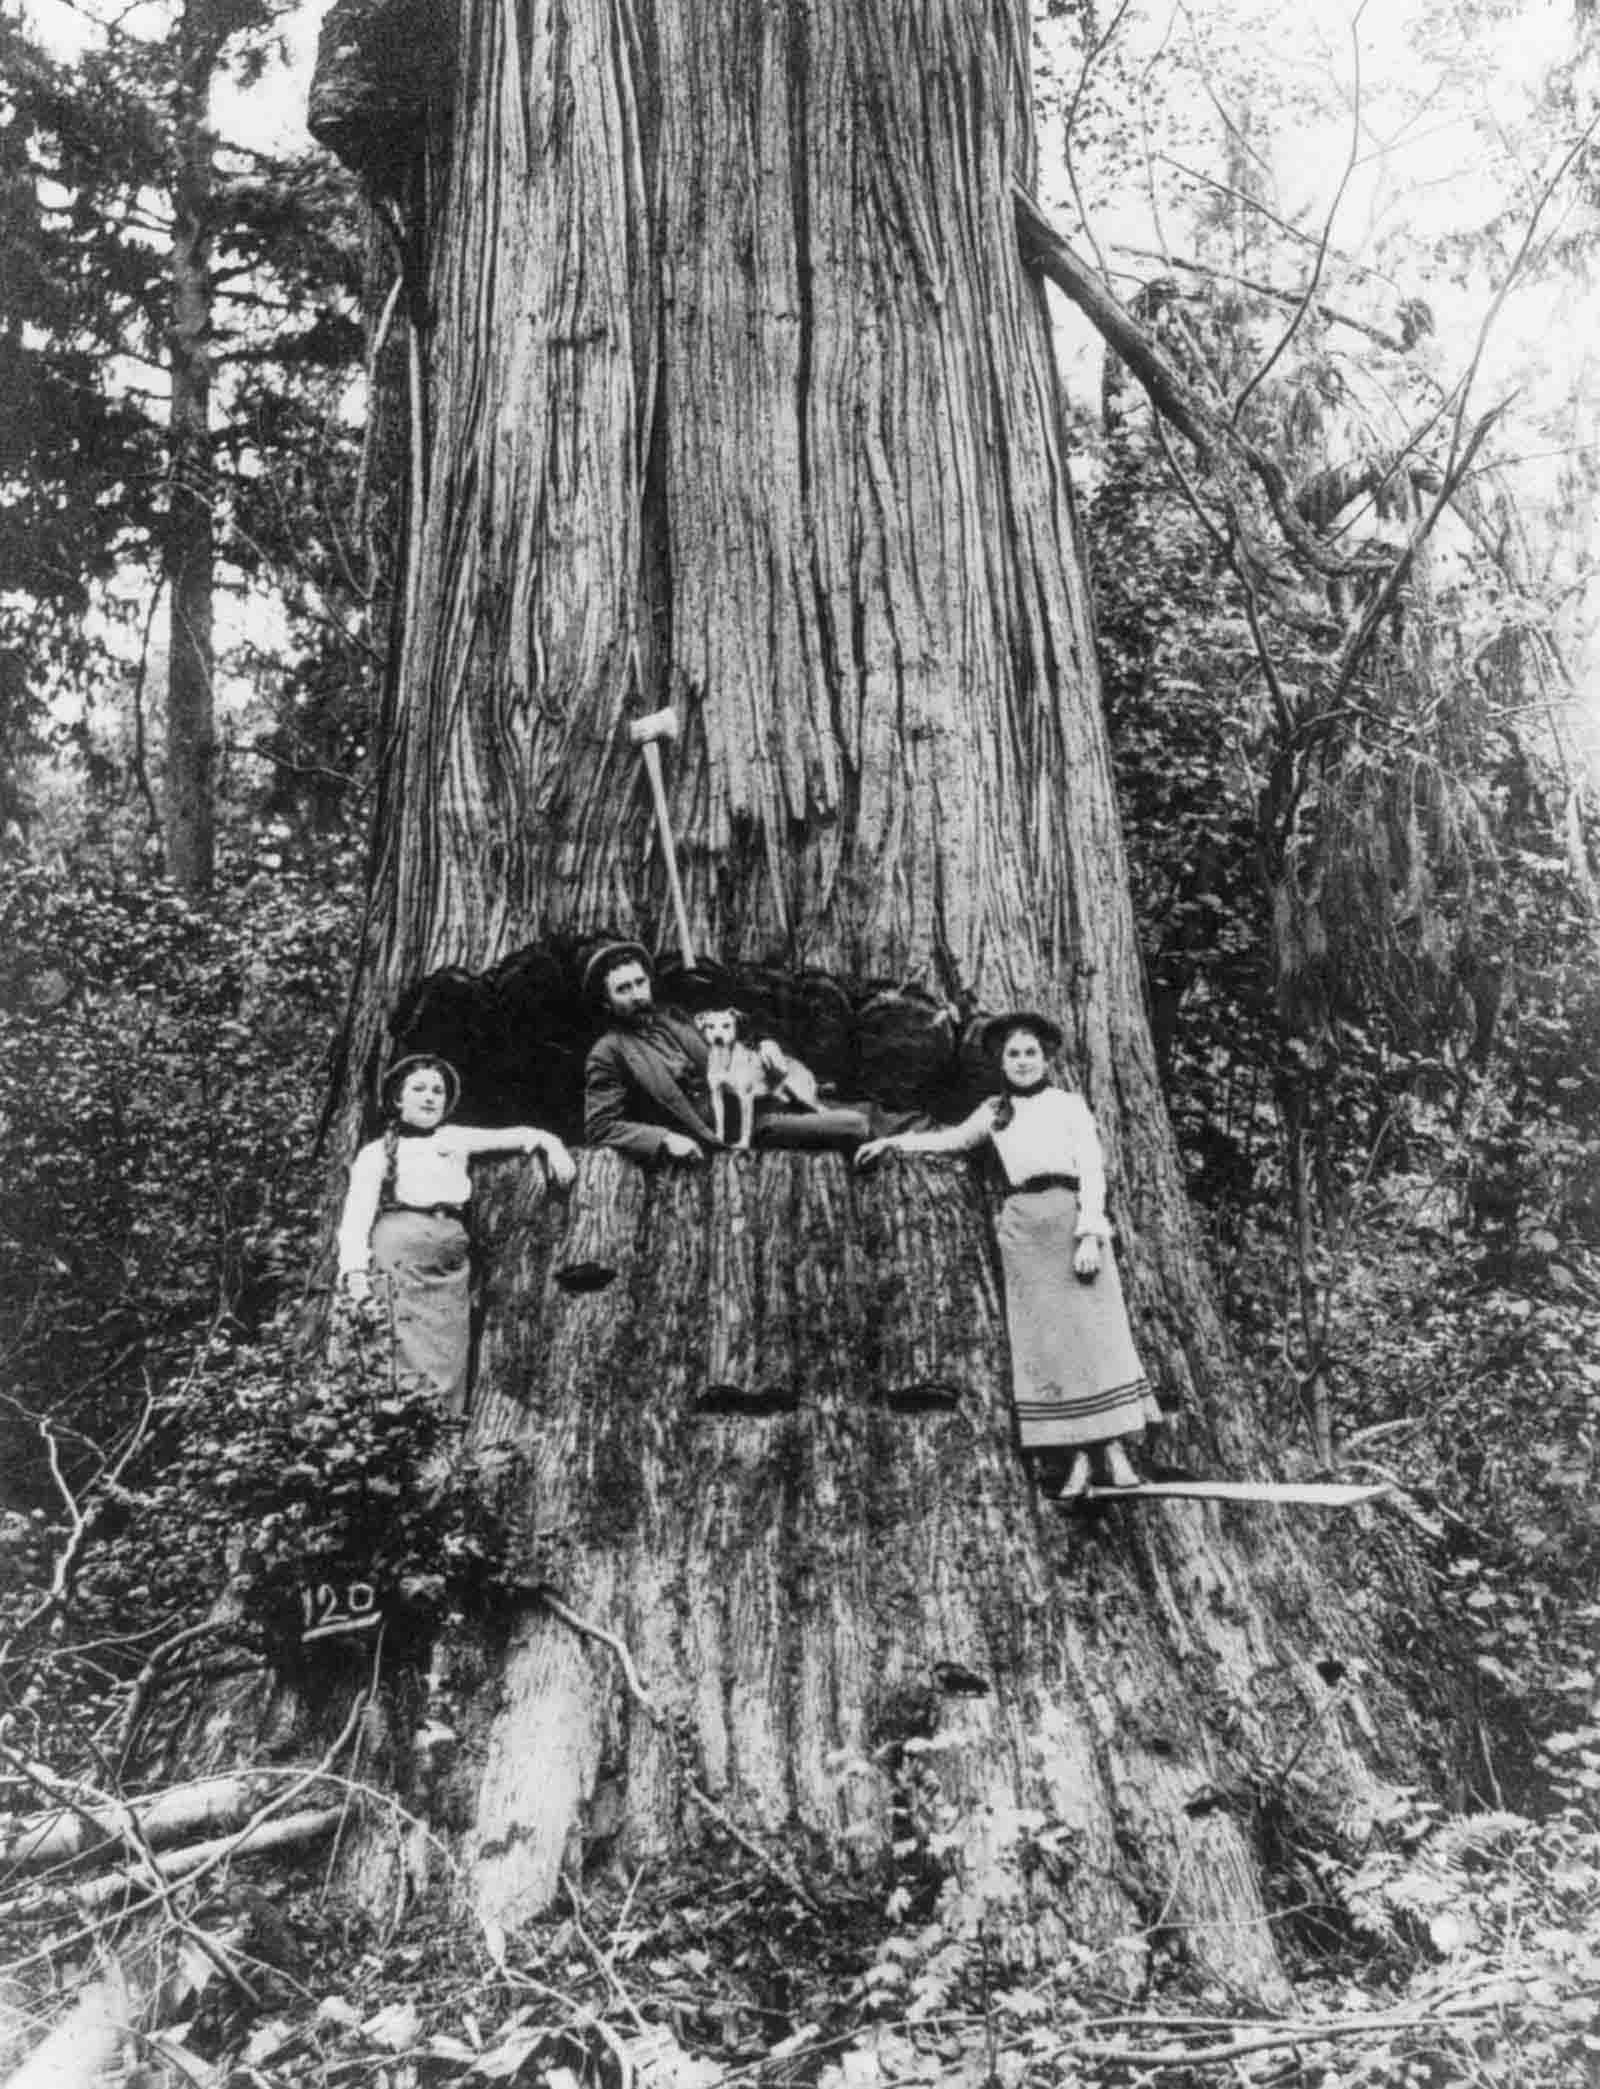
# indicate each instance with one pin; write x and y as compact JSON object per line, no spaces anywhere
{"x":264,"y":753}
{"x":1281,"y":224}
{"x":1169,"y":391}
{"x":1091,"y":57}
{"x":1280,"y":296}
{"x":257,"y":1838}
{"x":1319,"y":262}
{"x":1518,"y":261}
{"x":79,"y":1520}
{"x":144,"y":1682}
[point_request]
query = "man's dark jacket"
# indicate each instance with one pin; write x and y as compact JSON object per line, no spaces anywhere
{"x":630,"y":1099}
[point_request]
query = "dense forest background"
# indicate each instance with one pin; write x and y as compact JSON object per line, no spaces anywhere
{"x":1358,"y":794}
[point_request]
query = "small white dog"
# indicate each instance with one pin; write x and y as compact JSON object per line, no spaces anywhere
{"x":735,"y":1069}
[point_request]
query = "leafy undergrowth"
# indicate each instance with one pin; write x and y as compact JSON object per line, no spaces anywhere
{"x":712,"y":1974}
{"x":1474,"y":1383}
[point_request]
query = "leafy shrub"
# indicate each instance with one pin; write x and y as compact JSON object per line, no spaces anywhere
{"x":162,"y":1066}
{"x":161,"y":1071}
{"x":338,"y":1478}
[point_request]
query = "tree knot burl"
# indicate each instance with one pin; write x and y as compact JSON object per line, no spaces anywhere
{"x":380,"y":63}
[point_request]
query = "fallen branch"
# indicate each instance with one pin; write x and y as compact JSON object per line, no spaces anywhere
{"x":614,"y":2044}
{"x":136,"y":1885}
{"x":604,"y":1961}
{"x":768,"y":1863}
{"x":96,"y":1827}
{"x":73,"y":1829}
{"x":1326,"y":2031}
{"x":266,"y":1830}
{"x":81,"y":1814}
{"x":260,"y":1838}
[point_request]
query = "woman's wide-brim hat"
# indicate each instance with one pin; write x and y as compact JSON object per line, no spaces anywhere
{"x":395,"y":1079}
{"x":998,"y":1028}
{"x":606,"y":960}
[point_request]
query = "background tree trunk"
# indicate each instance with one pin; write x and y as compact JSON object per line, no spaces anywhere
{"x":189,"y":796}
{"x":738,"y":397}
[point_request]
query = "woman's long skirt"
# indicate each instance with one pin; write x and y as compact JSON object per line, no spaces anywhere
{"x":1075,"y":1375}
{"x":423,"y":1255}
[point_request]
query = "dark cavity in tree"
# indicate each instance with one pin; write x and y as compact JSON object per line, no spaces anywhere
{"x":518,"y":1034}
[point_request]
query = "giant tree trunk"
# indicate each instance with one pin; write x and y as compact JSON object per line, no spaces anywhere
{"x":738,"y":397}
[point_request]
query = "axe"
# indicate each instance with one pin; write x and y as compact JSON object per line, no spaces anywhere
{"x":646,"y":734}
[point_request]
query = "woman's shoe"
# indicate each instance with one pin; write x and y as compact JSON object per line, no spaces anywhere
{"x":1120,"y":1470}
{"x":1076,"y":1483}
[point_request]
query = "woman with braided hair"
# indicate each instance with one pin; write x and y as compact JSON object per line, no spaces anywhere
{"x":405,"y":1221}
{"x":1077,"y":1383}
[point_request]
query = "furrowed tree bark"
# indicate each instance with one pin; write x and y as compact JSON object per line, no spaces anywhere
{"x":739,"y":397}
{"x":743,"y":416}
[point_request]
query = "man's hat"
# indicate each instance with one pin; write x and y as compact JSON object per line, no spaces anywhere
{"x":395,"y":1079}
{"x":998,"y":1028}
{"x":607,"y":958}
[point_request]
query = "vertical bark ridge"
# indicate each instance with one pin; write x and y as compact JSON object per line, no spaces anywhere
{"x":542,"y":324}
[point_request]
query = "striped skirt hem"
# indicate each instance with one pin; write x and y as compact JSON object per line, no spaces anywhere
{"x":1087,"y":1418}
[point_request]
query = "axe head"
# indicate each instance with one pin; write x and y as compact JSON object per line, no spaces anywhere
{"x":659,"y":725}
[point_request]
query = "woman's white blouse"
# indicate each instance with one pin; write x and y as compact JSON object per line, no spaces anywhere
{"x":432,"y":1170}
{"x":1051,"y":1133}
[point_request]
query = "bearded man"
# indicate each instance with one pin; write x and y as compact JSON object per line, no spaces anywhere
{"x":645,"y":1088}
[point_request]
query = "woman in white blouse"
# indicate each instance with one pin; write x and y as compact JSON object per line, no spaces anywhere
{"x":405,"y":1220}
{"x":1076,"y":1378}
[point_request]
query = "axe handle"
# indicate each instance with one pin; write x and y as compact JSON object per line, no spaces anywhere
{"x":652,"y":765}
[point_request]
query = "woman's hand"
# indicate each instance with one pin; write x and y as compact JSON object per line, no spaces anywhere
{"x":357,"y":1286}
{"x":560,"y":1165}
{"x":1086,"y":1261}
{"x":871,"y":1150}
